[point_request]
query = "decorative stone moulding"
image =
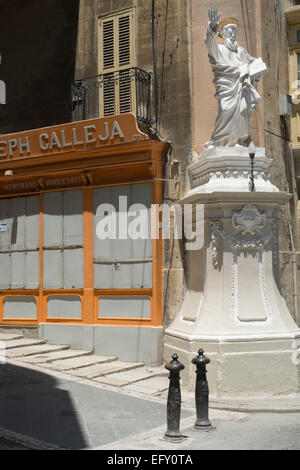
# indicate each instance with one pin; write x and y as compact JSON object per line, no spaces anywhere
{"x":229,"y":169}
{"x":247,"y":222}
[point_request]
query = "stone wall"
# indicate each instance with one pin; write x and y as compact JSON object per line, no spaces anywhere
{"x":37,"y":43}
{"x":277,"y":140}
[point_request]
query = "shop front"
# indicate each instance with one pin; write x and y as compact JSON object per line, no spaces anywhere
{"x":74,"y":199}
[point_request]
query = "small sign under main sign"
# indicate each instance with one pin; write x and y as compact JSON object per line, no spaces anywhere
{"x":3,"y":228}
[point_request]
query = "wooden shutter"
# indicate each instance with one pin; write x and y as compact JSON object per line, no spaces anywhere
{"x":116,"y":57}
{"x":124,"y":42}
{"x":122,"y":263}
{"x":108,"y":53}
{"x":63,"y":240}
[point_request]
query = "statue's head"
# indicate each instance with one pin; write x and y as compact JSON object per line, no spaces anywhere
{"x":228,"y":30}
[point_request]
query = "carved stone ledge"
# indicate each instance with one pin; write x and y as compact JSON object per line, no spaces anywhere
{"x":229,"y":169}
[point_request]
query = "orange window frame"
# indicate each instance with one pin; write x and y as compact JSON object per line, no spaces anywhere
{"x":89,"y":296}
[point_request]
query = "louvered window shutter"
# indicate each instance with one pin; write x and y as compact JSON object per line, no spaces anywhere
{"x":116,"y":57}
{"x":124,"y":40}
{"x":108,"y":45}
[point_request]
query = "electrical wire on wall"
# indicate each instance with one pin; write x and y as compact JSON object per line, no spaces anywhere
{"x":154,"y":67}
{"x":163,"y":63}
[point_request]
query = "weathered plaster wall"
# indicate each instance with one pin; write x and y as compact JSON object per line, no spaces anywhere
{"x":37,"y":42}
{"x":278,"y":146}
{"x":172,"y":51}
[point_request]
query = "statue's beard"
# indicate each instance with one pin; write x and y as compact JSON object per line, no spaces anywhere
{"x":231,"y":45}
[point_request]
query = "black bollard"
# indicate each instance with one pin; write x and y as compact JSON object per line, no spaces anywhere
{"x":202,"y":393}
{"x":173,"y":433}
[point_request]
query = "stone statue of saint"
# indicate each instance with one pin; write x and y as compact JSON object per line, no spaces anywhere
{"x":234,"y":71}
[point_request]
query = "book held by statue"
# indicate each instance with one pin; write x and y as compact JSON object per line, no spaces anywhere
{"x":257,"y":68}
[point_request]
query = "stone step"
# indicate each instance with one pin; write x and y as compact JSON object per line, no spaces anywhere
{"x":153,"y":386}
{"x":160,"y":370}
{"x":20,"y":343}
{"x":30,"y":350}
{"x":75,"y":363}
{"x":9,"y":337}
{"x":45,"y":359}
{"x":121,"y":379}
{"x":99,"y":370}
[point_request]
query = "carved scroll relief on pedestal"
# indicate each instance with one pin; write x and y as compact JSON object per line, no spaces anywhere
{"x":250,"y":300}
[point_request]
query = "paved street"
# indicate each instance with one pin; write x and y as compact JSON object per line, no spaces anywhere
{"x":49,"y":409}
{"x":69,"y":414}
{"x":233,"y":432}
{"x":10,"y":445}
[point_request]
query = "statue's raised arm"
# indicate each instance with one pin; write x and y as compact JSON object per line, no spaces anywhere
{"x":212,"y":31}
{"x":214,"y":18}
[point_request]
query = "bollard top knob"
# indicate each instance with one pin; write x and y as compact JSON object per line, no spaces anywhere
{"x":175,"y":365}
{"x":201,"y":359}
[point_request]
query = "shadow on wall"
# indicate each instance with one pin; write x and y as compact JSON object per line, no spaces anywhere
{"x":32,"y":404}
{"x":38,"y":48}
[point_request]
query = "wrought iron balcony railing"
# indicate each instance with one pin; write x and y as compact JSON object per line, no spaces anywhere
{"x":113,"y":93}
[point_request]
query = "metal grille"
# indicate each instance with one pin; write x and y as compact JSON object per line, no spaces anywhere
{"x":124,"y":91}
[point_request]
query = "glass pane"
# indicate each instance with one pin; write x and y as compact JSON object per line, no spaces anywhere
{"x":298,"y":35}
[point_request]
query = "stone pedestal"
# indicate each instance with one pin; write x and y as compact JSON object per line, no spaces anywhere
{"x":233,"y":307}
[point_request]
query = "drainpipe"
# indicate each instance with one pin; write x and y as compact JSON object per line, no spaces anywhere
{"x":294,"y":265}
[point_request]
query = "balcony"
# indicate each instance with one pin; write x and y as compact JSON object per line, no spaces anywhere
{"x":124,"y":91}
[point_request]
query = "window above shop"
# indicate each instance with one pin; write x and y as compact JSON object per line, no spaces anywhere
{"x":116,"y":56}
{"x":120,"y":86}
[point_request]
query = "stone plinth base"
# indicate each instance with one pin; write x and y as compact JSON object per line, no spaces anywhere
{"x":241,"y":368}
